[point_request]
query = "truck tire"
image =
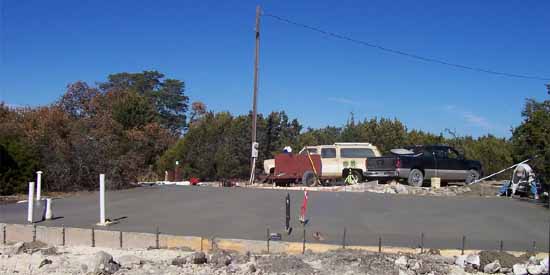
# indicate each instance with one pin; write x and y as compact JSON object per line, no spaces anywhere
{"x":308,"y":178}
{"x":472,"y":176}
{"x":416,"y":178}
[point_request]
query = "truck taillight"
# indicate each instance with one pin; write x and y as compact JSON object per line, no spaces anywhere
{"x":397,"y":163}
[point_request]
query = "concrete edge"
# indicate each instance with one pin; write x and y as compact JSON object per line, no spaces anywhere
{"x":137,"y":240}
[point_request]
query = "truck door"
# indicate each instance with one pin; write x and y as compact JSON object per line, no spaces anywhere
{"x":329,"y":162}
{"x":455,"y":165}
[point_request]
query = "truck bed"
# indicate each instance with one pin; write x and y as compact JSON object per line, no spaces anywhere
{"x":386,"y":163}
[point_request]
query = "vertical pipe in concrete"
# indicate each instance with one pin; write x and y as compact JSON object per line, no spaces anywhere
{"x":49,"y":213}
{"x":102,"y":199}
{"x":30,"y":202}
{"x":38,"y":185}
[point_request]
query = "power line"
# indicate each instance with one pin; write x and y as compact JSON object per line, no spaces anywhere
{"x":418,"y":57}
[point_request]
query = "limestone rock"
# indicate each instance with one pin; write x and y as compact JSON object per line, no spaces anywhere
{"x":44,"y":262}
{"x":401,"y":261}
{"x":103,"y":262}
{"x":473,"y":259}
{"x":492,"y":268}
{"x":535,"y":269}
{"x":519,"y":269}
{"x":129,"y":260}
{"x":179,"y":261}
{"x":460,"y":260}
{"x":198,"y":258}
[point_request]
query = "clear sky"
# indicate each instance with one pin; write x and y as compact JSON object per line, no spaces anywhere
{"x":320,"y":80}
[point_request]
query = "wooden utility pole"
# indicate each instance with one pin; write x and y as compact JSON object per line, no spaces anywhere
{"x":254,"y":147}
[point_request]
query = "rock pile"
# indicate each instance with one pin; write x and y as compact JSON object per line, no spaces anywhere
{"x":95,"y":261}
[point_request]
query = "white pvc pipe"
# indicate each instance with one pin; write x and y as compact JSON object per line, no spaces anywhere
{"x":102,"y":198}
{"x":49,"y":213}
{"x":30,"y":202}
{"x":38,"y":185}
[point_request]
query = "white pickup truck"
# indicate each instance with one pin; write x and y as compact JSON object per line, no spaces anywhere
{"x":337,"y":160}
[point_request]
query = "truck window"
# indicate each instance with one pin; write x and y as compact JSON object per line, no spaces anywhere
{"x":356,"y":153}
{"x":327,"y":153}
{"x":312,"y":151}
{"x":452,"y":154}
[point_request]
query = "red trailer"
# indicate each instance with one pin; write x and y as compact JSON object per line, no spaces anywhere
{"x":296,"y":168}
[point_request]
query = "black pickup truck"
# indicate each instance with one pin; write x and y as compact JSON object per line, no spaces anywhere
{"x":419,"y":163}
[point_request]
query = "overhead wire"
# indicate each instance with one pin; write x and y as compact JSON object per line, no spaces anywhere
{"x":399,"y":52}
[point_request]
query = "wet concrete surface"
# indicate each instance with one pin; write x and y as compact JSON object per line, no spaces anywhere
{"x":246,"y":214}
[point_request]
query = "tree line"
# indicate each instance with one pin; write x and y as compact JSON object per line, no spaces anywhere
{"x":135,"y":126}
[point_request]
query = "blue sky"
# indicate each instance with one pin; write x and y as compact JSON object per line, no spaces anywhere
{"x":320,"y":80}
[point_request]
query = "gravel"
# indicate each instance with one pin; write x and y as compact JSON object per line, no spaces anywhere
{"x":88,"y":260}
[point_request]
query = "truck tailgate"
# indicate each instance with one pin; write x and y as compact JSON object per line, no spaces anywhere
{"x":381,"y":163}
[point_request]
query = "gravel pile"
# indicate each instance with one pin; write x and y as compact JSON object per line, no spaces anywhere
{"x":32,"y":258}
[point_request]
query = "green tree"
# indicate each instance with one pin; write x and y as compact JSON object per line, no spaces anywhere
{"x":167,"y":95}
{"x":532,"y":137}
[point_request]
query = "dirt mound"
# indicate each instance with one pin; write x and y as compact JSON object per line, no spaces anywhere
{"x":506,"y":259}
{"x":284,"y":265}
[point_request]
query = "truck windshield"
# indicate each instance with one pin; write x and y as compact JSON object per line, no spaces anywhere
{"x":356,"y":153}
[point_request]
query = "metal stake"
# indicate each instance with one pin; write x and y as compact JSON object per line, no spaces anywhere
{"x":4,"y":235}
{"x":268,"y":240}
{"x":212,"y":244}
{"x":120,"y":238}
{"x":344,"y":239}
{"x":63,"y":235}
{"x":463,"y":244}
{"x":157,"y":238}
{"x":304,"y":242}
{"x":422,"y":242}
{"x":501,"y":245}
{"x":93,"y":236}
{"x":201,"y":243}
{"x":34,"y":232}
{"x":379,"y":244}
{"x":534,"y":246}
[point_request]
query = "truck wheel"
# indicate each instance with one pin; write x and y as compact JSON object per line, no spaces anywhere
{"x":472,"y":176}
{"x":308,"y":179}
{"x":416,"y":178}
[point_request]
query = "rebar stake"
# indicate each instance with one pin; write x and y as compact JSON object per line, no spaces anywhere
{"x":63,"y":235}
{"x":422,"y":242}
{"x":304,"y":242}
{"x":93,"y":236}
{"x":267,"y":237}
{"x":463,"y":243}
{"x":501,"y":245}
{"x":157,"y":233}
{"x":344,"y":239}
{"x":4,"y":235}
{"x":379,"y":244}
{"x":34,"y":232}
{"x":120,"y":238}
